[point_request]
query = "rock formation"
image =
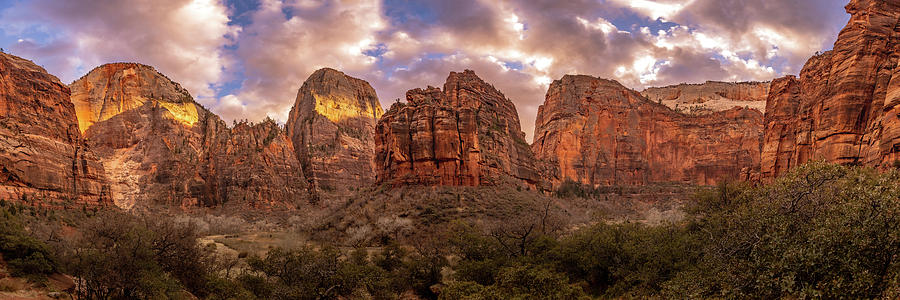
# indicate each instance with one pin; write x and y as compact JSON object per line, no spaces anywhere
{"x":161,"y":147}
{"x":258,"y":166}
{"x":43,"y":156}
{"x":844,"y":106}
{"x":711,"y":96}
{"x":331,"y":126}
{"x":598,"y":132}
{"x":467,"y":134}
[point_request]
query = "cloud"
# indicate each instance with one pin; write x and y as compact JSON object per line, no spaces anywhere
{"x":287,"y":41}
{"x":520,"y":46}
{"x":183,"y":39}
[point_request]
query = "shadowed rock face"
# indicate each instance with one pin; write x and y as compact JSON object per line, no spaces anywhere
{"x":160,"y":147}
{"x":597,"y":132}
{"x":43,"y":157}
{"x":844,"y":106}
{"x":468,"y":134}
{"x":331,"y":127}
{"x":711,"y":96}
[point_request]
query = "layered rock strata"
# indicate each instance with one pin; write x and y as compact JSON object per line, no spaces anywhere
{"x":43,"y":157}
{"x":598,"y":132}
{"x":161,"y":147}
{"x":331,"y":126}
{"x":711,"y":96}
{"x":466,"y":134}
{"x":844,"y":106}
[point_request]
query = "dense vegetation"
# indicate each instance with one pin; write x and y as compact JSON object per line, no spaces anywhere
{"x":822,"y":231}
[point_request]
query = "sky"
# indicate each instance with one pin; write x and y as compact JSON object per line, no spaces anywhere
{"x":246,"y":59}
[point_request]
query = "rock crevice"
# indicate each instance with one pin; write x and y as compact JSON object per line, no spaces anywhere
{"x":843,"y":106}
{"x":599,"y":133}
{"x":467,"y":134}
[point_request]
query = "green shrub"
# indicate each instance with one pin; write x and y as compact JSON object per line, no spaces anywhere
{"x":820,"y":231}
{"x":24,"y":255}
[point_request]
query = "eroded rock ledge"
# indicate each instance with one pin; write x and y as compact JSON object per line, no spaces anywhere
{"x":466,"y":134}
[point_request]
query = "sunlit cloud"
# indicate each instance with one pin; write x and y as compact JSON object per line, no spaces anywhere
{"x":248,"y":63}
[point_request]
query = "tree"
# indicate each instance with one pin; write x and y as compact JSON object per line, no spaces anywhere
{"x":820,"y":231}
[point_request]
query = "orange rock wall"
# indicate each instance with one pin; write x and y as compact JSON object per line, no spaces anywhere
{"x":597,"y":132}
{"x":843,"y":107}
{"x":468,"y":134}
{"x":43,"y":157}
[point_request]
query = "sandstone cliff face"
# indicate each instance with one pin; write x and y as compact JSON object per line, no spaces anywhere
{"x":119,"y":87}
{"x":711,"y":96}
{"x":598,"y":132}
{"x":844,"y":106}
{"x":331,"y":127}
{"x":258,"y":167}
{"x":468,"y":134}
{"x":42,"y":154}
{"x":160,"y":147}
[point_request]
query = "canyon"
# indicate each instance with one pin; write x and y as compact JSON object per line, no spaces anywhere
{"x":160,"y":147}
{"x":599,"y":133}
{"x":126,"y":135}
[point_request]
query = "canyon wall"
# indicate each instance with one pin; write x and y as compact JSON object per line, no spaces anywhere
{"x":711,"y":96}
{"x":43,"y":157}
{"x":598,"y":132}
{"x":844,"y":106}
{"x":158,"y":146}
{"x":331,"y":126}
{"x":466,"y":134}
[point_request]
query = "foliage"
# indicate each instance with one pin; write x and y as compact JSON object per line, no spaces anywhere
{"x":518,"y":282}
{"x":120,"y":256}
{"x":820,"y":231}
{"x":327,"y":273}
{"x":25,"y":256}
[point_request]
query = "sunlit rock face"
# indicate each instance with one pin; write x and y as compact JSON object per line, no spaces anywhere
{"x":598,"y":132}
{"x":114,"y":88}
{"x":43,"y":157}
{"x":466,"y":134}
{"x":844,"y":106}
{"x":331,"y":126}
{"x":711,"y":96}
{"x":158,"y":146}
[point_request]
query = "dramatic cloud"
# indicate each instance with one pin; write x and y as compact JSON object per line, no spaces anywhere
{"x":288,"y":41}
{"x":183,"y":39}
{"x":267,"y":48}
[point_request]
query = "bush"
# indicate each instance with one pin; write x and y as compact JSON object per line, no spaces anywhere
{"x":123,"y":256}
{"x":25,"y":256}
{"x":518,"y":282}
{"x":820,"y":231}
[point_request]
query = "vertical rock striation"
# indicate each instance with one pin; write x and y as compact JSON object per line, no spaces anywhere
{"x":43,"y":156}
{"x":843,"y":107}
{"x":161,"y":147}
{"x":468,"y":134}
{"x":598,"y":132}
{"x":331,"y":126}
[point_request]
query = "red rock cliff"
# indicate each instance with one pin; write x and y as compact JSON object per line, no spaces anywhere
{"x":467,"y":134}
{"x":42,"y":154}
{"x":161,"y":147}
{"x":844,"y":106}
{"x":598,"y":132}
{"x":331,"y":126}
